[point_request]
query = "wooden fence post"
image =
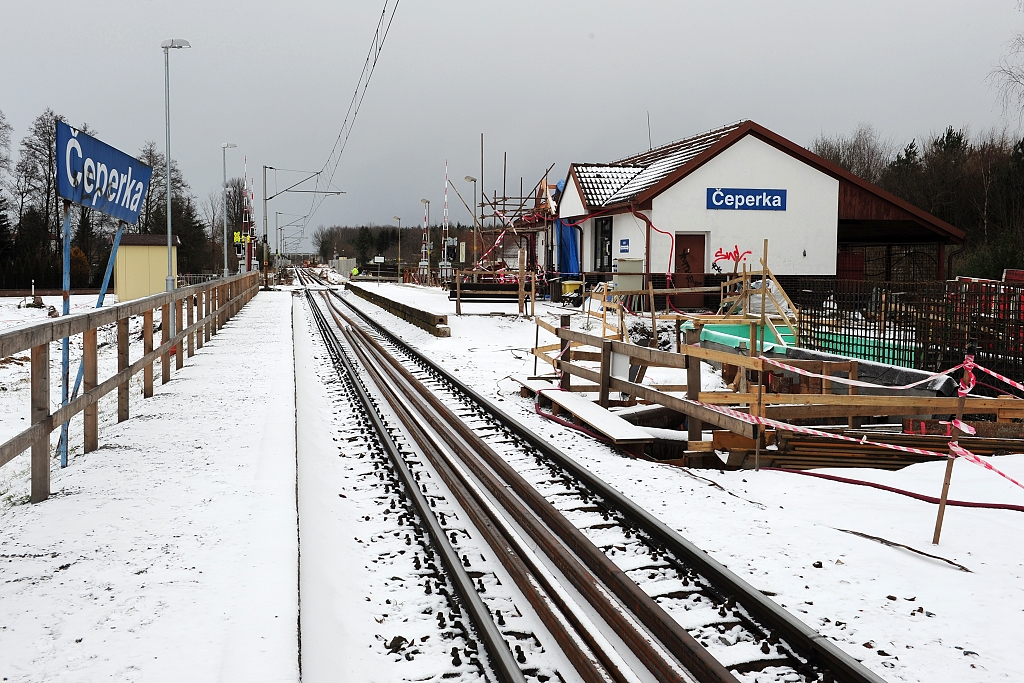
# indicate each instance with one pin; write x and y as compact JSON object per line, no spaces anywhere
{"x":522,"y":277}
{"x":606,"y":370}
{"x":91,"y":418}
{"x":165,"y":335}
{"x":214,"y":303}
{"x":122,"y":364}
{"x":854,"y":422}
{"x":564,"y":356}
{"x":193,"y":337}
{"x":694,"y":427}
{"x":178,"y":355}
{"x":40,"y":408}
{"x":147,"y":346}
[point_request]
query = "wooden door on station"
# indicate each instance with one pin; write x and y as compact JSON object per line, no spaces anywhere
{"x":689,"y":270}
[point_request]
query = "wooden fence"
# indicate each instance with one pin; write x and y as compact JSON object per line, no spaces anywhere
{"x":205,"y":308}
{"x":574,"y":348}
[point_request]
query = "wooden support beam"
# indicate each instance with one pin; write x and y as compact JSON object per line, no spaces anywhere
{"x":606,"y":371}
{"x":178,"y":350}
{"x":147,"y":346}
{"x":694,"y":426}
{"x":165,"y":334}
{"x":193,"y":337}
{"x":564,"y":358}
{"x":122,"y":363}
{"x":90,"y":419}
{"x":39,"y":410}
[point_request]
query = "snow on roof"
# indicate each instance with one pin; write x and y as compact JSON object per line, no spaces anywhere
{"x":599,"y":182}
{"x":623,"y":180}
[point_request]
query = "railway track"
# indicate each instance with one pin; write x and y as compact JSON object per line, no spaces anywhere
{"x":667,"y":610}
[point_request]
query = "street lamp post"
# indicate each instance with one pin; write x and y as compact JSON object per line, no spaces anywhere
{"x":224,"y":158}
{"x":476,"y":231}
{"x":399,"y":244}
{"x":176,"y":43}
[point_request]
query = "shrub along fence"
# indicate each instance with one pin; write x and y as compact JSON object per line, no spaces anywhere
{"x":204,"y":308}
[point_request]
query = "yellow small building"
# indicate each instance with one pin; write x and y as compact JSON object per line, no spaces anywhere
{"x":141,"y":265}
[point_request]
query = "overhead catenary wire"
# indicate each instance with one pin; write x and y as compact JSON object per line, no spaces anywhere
{"x":325,"y":177}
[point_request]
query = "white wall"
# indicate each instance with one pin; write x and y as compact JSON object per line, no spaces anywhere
{"x":570,"y":203}
{"x":807,"y":226}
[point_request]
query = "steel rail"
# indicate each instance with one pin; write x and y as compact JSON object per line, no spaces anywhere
{"x":654,"y":659}
{"x":498,"y":651}
{"x":544,"y":522}
{"x":512,"y":554}
{"x":833,"y":663}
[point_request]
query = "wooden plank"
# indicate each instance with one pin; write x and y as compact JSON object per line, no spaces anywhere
{"x":38,"y":410}
{"x":685,"y":406}
{"x":179,"y":318}
{"x":599,"y":419}
{"x":936,"y":404}
{"x":661,"y":292}
{"x":165,"y":334}
{"x":147,"y":346}
{"x":533,"y":385}
{"x":19,"y":339}
{"x":122,"y":363}
{"x":90,"y":421}
{"x":606,"y":371}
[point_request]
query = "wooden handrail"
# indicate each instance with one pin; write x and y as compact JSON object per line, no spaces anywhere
{"x":37,"y":337}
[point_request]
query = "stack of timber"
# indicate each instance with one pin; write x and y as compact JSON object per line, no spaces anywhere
{"x":802,"y":451}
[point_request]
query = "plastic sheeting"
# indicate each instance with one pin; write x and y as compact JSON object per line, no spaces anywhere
{"x":568,"y":248}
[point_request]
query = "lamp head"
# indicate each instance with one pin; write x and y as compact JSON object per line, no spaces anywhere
{"x":228,"y":145}
{"x":424,"y":201}
{"x":470,"y":179}
{"x":176,"y":43}
{"x":396,"y":218}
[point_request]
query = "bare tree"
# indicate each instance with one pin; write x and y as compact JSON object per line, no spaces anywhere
{"x":1008,"y":76}
{"x":5,"y":143}
{"x":864,"y":152}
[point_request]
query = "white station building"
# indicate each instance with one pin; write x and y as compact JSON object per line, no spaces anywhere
{"x":705,"y":204}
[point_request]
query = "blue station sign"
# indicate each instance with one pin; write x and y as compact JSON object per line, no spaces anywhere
{"x":746,"y":199}
{"x":98,"y":176}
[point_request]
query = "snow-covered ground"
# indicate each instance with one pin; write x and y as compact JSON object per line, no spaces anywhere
{"x":908,"y":617}
{"x":103,"y":580}
{"x":171,"y":552}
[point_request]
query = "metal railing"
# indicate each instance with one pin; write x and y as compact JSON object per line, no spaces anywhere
{"x":924,"y":325}
{"x":196,"y":278}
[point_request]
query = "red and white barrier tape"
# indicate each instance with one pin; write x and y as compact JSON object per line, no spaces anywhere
{"x":1003,"y":378}
{"x":971,"y":457}
{"x":956,"y":448}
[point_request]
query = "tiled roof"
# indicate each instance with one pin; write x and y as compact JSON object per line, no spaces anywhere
{"x":600,"y":181}
{"x":623,"y":180}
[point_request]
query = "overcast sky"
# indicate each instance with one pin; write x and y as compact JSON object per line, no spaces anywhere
{"x":548,"y":82}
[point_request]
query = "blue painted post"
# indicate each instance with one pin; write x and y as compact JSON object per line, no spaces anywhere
{"x":65,"y":342}
{"x":99,"y":299}
{"x":62,"y":448}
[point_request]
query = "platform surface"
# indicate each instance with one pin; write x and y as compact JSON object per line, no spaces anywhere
{"x":169,"y":554}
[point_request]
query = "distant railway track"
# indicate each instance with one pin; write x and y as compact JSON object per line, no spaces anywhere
{"x":677,"y":610}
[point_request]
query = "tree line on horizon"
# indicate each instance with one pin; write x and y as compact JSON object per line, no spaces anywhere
{"x":363,"y":242}
{"x":31,"y":215}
